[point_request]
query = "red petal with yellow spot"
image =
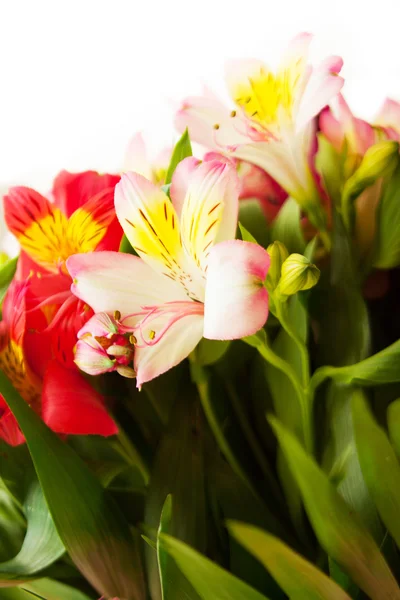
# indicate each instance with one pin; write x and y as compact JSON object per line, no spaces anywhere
{"x":89,"y":224}
{"x":72,"y":190}
{"x":39,"y":226}
{"x":71,"y":406}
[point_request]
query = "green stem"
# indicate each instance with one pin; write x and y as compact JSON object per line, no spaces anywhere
{"x":282,"y":314}
{"x":132,"y":456}
{"x":260,"y":342}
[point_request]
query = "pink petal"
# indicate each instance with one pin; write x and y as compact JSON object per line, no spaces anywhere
{"x":236,"y":303}
{"x":101,"y":324}
{"x":180,"y":181}
{"x":174,"y":346}
{"x":136,"y":158}
{"x":323,"y":85}
{"x":71,"y":406}
{"x":297,"y":50}
{"x":389,"y":115}
{"x":91,"y":358}
{"x":210,"y":209}
{"x":210,"y":123}
{"x":331,"y":128}
{"x":110,"y":281}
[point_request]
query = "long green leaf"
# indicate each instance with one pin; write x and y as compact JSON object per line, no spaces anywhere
{"x":296,"y":576}
{"x":393,"y":417}
{"x":339,"y":531}
{"x":178,"y":471}
{"x":208,"y":578}
{"x":182,"y":150}
{"x":380,"y":368}
{"x":42,"y":545}
{"x":379,"y":465}
{"x":89,"y":523}
{"x":387,"y":254}
{"x":53,"y":590}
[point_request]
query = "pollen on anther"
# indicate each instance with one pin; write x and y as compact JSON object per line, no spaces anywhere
{"x":117,"y":315}
{"x":152,"y":334}
{"x":216,"y":126}
{"x":75,"y":281}
{"x":132,"y":339}
{"x":233,"y":113}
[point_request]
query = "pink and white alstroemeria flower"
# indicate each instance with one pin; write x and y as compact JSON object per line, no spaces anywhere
{"x":274,"y":126}
{"x":192,"y":279}
{"x":138,"y":159}
{"x":339,"y":125}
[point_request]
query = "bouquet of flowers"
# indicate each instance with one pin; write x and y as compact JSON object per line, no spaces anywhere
{"x":200,"y":358}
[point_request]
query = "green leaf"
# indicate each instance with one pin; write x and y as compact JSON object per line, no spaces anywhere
{"x":380,"y":368}
{"x":379,"y":465}
{"x":7,"y":272}
{"x":208,"y":578}
{"x":342,"y":447}
{"x":387,"y":252}
{"x":209,"y":352}
{"x":246,"y":235}
{"x":182,"y":150}
{"x":53,"y":590}
{"x":178,"y":471}
{"x":295,"y":575}
{"x":336,"y":526}
{"x":286,"y":402}
{"x":287,"y":227}
{"x":252,"y":220}
{"x":165,"y":527}
{"x":393,"y":418}
{"x":233,"y":500}
{"x":89,"y":523}
{"x":42,"y":545}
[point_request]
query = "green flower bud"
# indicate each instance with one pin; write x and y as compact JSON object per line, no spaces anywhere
{"x":278,"y":254}
{"x":298,"y":274}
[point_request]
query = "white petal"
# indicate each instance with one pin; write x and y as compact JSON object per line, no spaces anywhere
{"x":110,"y":281}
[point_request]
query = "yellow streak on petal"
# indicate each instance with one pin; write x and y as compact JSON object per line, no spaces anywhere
{"x":263,"y":95}
{"x":13,"y":364}
{"x":153,"y":231}
{"x":52,"y":239}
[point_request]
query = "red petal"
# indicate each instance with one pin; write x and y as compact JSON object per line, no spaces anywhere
{"x":9,"y":428}
{"x":71,"y":406}
{"x":73,"y":190}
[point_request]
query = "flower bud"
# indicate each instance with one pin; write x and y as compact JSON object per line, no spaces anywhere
{"x":379,"y":160}
{"x":278,"y":254}
{"x":298,"y":274}
{"x":104,"y":346}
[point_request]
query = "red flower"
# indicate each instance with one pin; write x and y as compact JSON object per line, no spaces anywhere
{"x":41,"y":317}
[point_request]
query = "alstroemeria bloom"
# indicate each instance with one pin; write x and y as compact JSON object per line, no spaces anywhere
{"x":192,"y":279}
{"x":139,"y":160}
{"x":347,"y":132}
{"x":255,"y":183}
{"x":273,"y":125}
{"x":80,"y":216}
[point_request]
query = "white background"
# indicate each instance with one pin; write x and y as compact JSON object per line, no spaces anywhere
{"x":79,"y":77}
